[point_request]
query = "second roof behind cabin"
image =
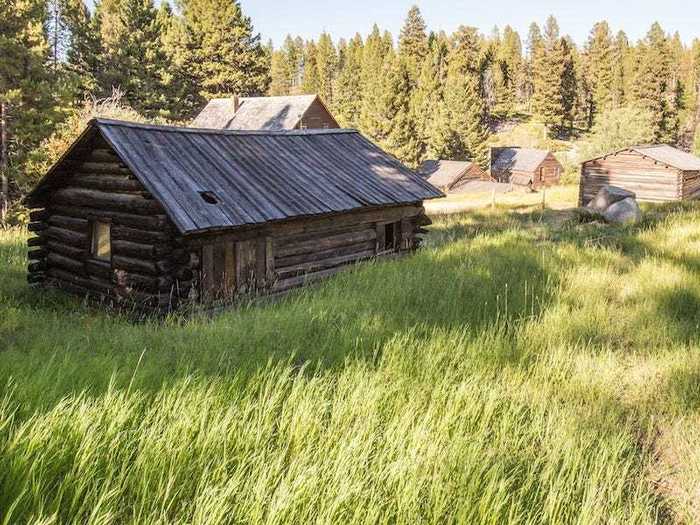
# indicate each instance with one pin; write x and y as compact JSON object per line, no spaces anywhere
{"x":264,"y":113}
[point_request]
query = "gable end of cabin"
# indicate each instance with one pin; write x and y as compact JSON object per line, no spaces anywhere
{"x":98,"y":232}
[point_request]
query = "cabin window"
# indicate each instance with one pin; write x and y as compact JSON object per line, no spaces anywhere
{"x":101,"y":240}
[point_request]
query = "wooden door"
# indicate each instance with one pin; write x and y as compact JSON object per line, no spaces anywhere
{"x":218,"y":271}
{"x":231,"y":268}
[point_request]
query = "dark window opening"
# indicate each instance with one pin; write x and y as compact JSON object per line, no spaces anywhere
{"x":208,"y":197}
{"x":388,"y":236}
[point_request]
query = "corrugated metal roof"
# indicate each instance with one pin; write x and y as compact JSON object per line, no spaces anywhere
{"x":257,"y":176}
{"x":517,"y":159}
{"x":444,"y":173}
{"x":670,"y":156}
{"x":269,"y":113}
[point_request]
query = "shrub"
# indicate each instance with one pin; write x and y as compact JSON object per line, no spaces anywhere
{"x":41,"y":159}
{"x":618,"y":128}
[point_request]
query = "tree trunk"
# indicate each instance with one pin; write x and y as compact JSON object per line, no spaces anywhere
{"x":4,"y":178}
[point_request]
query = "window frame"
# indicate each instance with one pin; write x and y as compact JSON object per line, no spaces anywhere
{"x":94,"y":247}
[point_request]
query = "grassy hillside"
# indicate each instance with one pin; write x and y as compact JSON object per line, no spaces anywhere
{"x":521,"y":368}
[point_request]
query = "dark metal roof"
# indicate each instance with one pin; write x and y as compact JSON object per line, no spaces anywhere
{"x":256,"y":176}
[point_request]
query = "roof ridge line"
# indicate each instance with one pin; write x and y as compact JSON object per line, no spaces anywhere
{"x":213,"y":131}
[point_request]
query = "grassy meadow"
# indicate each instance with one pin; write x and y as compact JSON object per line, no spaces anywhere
{"x":522,"y":368}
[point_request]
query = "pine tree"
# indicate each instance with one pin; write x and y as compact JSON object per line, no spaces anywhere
{"x":84,"y":55}
{"x":286,"y":68}
{"x":535,"y":48}
{"x":27,"y":99}
{"x":399,"y":137}
{"x":548,"y":68}
{"x":653,"y":90}
{"x":375,"y":57}
{"x":569,"y":82}
{"x":326,"y":63}
{"x":137,"y":61}
{"x":507,"y":71}
{"x":621,"y":69}
{"x":216,"y":52}
{"x":413,"y":42}
{"x":428,"y":103}
{"x":310,"y":83}
{"x":600,"y":56}
{"x":467,"y":112}
{"x":347,"y":91}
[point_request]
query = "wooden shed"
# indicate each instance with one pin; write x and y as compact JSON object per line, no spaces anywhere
{"x":154,"y":215}
{"x":655,"y":173}
{"x":450,"y":176}
{"x":266,"y":113}
{"x":525,"y":167}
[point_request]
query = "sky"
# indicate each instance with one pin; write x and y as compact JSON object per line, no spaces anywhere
{"x":274,"y":19}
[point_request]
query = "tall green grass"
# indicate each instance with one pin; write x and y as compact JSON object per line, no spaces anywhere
{"x":516,"y":370}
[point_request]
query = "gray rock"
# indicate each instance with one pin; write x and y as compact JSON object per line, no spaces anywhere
{"x":625,"y":211}
{"x":607,"y":196}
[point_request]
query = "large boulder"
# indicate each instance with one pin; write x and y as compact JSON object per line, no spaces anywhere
{"x":625,"y":211}
{"x":607,"y":196}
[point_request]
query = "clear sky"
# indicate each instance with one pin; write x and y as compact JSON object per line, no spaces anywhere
{"x":274,"y":19}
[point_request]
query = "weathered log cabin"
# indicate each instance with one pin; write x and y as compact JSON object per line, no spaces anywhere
{"x":525,"y":167}
{"x":654,"y":173}
{"x":152,"y":216}
{"x":450,"y":176}
{"x":266,"y":113}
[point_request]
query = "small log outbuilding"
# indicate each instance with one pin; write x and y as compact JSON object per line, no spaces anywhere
{"x":450,"y":176}
{"x":153,"y":216}
{"x":266,"y":113}
{"x":654,"y":173}
{"x":525,"y":167}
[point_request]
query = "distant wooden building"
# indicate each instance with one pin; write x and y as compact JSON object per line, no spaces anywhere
{"x":450,"y":176}
{"x":654,"y":173}
{"x":525,"y":167}
{"x":156,"y":215}
{"x":266,"y":113}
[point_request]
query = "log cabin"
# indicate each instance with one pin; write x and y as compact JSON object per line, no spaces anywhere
{"x":525,"y":167}
{"x":266,"y":113}
{"x":156,"y":216}
{"x":654,"y":173}
{"x":450,"y":176}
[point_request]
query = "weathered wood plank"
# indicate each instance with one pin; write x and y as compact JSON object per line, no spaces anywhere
{"x":151,"y":222}
{"x":101,"y":199}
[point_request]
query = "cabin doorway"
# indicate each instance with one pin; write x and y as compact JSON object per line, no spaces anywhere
{"x":233,"y":268}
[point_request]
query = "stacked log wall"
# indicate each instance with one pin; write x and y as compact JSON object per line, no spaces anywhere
{"x":148,"y":267}
{"x":651,"y":181}
{"x":301,"y":251}
{"x":551,"y":173}
{"x":691,"y":184}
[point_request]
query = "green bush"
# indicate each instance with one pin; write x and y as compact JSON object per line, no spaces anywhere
{"x":41,"y":159}
{"x":616,"y":129}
